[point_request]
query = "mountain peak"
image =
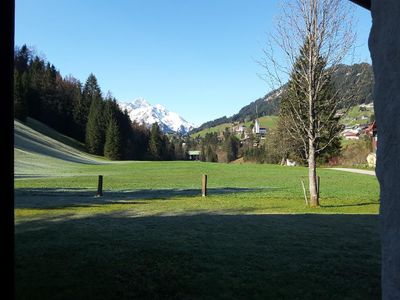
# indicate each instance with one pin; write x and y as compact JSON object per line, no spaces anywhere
{"x":143,"y":112}
{"x":140,"y":102}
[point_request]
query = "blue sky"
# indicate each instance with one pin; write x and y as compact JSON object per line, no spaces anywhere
{"x":197,"y":58}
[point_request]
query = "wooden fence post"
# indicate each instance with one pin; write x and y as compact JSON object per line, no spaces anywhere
{"x":100,"y":187}
{"x":304,"y":192}
{"x":204,"y":186}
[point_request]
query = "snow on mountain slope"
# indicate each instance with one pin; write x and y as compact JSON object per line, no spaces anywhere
{"x":142,"y":111}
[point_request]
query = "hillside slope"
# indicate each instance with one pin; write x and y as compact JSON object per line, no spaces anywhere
{"x":36,"y":154}
{"x":357,"y":78}
{"x":265,"y":121}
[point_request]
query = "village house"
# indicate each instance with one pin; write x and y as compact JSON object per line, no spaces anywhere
{"x":290,"y":163}
{"x":239,"y":129}
{"x":367,"y":106}
{"x":351,"y":134}
{"x":263,"y":130}
{"x":194,"y":155}
{"x":372,"y":131}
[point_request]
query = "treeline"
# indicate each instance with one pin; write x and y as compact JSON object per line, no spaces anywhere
{"x":356,"y":82}
{"x":212,"y":123}
{"x":274,"y":148}
{"x":84,"y":113}
{"x":216,"y":147}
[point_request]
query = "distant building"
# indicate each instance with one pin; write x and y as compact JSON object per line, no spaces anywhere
{"x":290,"y":163}
{"x":240,"y":128}
{"x":351,"y":134}
{"x":370,"y":105}
{"x":256,"y":128}
{"x":372,"y":131}
{"x":194,"y":155}
{"x":259,"y":130}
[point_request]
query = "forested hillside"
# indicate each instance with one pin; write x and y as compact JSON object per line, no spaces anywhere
{"x":83,"y":112}
{"x":355,"y":82}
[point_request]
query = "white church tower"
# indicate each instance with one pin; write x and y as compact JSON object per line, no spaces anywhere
{"x":256,"y":128}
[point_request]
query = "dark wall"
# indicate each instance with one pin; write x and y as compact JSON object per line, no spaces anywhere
{"x":7,"y":142}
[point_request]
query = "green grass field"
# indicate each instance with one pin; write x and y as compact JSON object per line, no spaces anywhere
{"x":152,"y":235}
{"x":266,"y":121}
{"x":354,"y":116}
{"x":218,"y":129}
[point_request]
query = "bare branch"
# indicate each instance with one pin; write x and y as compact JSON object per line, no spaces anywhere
{"x":313,"y":37}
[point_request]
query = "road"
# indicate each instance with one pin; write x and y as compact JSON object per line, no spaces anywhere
{"x":359,"y":171}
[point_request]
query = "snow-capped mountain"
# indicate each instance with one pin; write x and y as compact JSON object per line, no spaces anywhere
{"x":142,"y":111}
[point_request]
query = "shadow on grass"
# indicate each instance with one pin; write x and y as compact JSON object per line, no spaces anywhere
{"x":55,"y":198}
{"x":203,"y":256}
{"x":351,"y":205}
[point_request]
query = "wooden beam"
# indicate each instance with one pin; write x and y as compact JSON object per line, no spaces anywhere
{"x":364,"y":3}
{"x":7,"y":10}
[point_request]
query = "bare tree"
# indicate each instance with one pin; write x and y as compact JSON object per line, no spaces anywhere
{"x":320,"y":32}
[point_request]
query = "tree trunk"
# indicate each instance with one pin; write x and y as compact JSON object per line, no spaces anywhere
{"x":312,"y":176}
{"x":312,"y":58}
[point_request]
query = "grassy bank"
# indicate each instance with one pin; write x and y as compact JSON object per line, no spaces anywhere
{"x":152,"y":236}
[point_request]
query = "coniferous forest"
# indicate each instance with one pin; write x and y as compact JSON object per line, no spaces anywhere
{"x":84,"y":112}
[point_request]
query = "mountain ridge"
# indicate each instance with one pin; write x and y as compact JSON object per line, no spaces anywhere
{"x":345,"y":77}
{"x":142,"y":112}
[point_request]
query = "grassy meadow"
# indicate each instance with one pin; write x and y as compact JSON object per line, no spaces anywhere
{"x":152,"y":235}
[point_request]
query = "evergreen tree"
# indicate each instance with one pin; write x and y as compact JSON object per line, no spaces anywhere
{"x":202,"y":152}
{"x":231,"y":147}
{"x":179,"y":152}
{"x":125,"y":127}
{"x":255,"y":154}
{"x":112,"y":147}
{"x":169,"y":149}
{"x":124,"y":124}
{"x":282,"y":145}
{"x":22,"y":59}
{"x":139,"y":142}
{"x":72,"y":94}
{"x":36,"y":87}
{"x":95,"y":133}
{"x":91,"y":92}
{"x":20,"y":105}
{"x":308,"y":111}
{"x":296,"y":115}
{"x":51,"y":110}
{"x":211,"y":156}
{"x":155,"y":143}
